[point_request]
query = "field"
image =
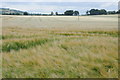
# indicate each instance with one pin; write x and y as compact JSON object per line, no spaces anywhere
{"x":60,"y":46}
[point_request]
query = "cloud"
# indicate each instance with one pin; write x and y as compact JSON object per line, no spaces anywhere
{"x":39,"y":7}
{"x":47,"y":7}
{"x":109,"y":4}
{"x":60,"y":0}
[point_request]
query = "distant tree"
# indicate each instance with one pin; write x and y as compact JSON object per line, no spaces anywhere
{"x":87,"y":12}
{"x":94,"y":12}
{"x":118,"y":12}
{"x":17,"y":13}
{"x":98,"y":12}
{"x":25,"y":13}
{"x":13,"y":13}
{"x":76,"y":13}
{"x":111,"y":12}
{"x":102,"y":11}
{"x":56,"y":13}
{"x":9,"y":14}
{"x":69,"y":12}
{"x":52,"y":13}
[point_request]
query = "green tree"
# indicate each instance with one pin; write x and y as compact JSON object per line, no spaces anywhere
{"x":69,"y":12}
{"x":76,"y":13}
{"x":111,"y":12}
{"x":87,"y":12}
{"x":102,"y":11}
{"x":118,"y":12}
{"x":97,"y":12}
{"x":52,"y":13}
{"x":25,"y":13}
{"x":56,"y":13}
{"x":94,"y":12}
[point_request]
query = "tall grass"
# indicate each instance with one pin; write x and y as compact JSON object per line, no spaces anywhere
{"x":88,"y":33}
{"x":91,"y":55}
{"x":60,"y":47}
{"x":22,"y":44}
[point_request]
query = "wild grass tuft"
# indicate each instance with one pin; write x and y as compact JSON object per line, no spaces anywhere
{"x":22,"y":44}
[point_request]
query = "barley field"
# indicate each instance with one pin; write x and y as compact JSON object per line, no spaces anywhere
{"x":60,"y":46}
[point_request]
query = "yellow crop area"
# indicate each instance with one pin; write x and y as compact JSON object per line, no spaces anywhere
{"x":60,"y":46}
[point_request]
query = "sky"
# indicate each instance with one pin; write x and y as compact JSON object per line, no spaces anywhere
{"x":59,"y":0}
{"x":46,"y":6}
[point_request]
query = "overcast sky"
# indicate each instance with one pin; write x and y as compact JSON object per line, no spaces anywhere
{"x":60,"y":0}
{"x":46,"y":6}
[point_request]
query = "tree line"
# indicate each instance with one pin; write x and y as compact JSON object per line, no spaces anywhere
{"x":71,"y":13}
{"x":101,"y":12}
{"x":16,"y":13}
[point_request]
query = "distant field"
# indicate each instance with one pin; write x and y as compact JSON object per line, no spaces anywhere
{"x":65,"y":22}
{"x":60,"y":46}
